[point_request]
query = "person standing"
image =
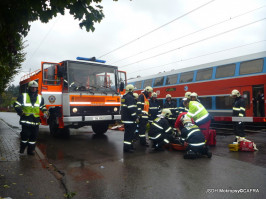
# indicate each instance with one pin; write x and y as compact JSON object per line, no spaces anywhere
{"x":28,"y":106}
{"x":239,"y":110}
{"x":143,"y":111}
{"x":194,"y":97}
{"x":171,"y":105}
{"x":129,"y":118}
{"x":261,"y":103}
{"x":154,"y":107}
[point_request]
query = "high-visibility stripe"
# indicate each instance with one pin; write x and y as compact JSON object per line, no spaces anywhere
{"x":33,"y":123}
{"x":18,"y":103}
{"x":154,"y":108}
{"x":51,"y":92}
{"x":133,"y":114}
{"x":32,"y":142}
{"x":24,"y":141}
{"x":132,"y":106}
{"x":128,"y":122}
{"x":125,"y":142}
{"x":198,"y":144}
{"x":77,"y":103}
{"x":237,"y":109}
{"x":241,"y":115}
{"x":142,"y":135}
{"x":168,"y":129}
{"x":192,"y":132}
{"x":202,"y":118}
{"x":157,"y":136}
{"x":242,"y":108}
{"x":157,"y":125}
{"x":198,"y":111}
{"x":166,"y":141}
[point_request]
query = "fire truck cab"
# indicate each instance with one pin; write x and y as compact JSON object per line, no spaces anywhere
{"x":79,"y":93}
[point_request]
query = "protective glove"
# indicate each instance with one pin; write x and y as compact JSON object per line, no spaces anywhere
{"x":46,"y":114}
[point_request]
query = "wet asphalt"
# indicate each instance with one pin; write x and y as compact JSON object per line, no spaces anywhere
{"x":96,"y":167}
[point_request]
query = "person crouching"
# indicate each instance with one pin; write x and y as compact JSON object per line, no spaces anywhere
{"x":192,"y":135}
{"x":161,"y":131}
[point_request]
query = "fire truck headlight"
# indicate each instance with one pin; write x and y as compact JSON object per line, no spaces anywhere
{"x":75,"y":110}
{"x":115,"y":109}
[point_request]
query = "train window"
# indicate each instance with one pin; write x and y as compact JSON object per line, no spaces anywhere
{"x":186,"y":77}
{"x":158,"y":81}
{"x":249,"y":67}
{"x":171,"y":79}
{"x":147,"y":83}
{"x":224,"y":102}
{"x":246,"y":95}
{"x":206,"y":102}
{"x":204,"y":74}
{"x":138,"y":85}
{"x":225,"y":71}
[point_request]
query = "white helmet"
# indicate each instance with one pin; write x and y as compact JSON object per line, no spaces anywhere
{"x":185,"y":119}
{"x":154,"y":94}
{"x":136,"y":95}
{"x":187,"y":94}
{"x":148,"y":89}
{"x":168,"y":96}
{"x":130,"y":88}
{"x":166,"y":112}
{"x":194,"y":94}
{"x":235,"y":93}
{"x":33,"y":84}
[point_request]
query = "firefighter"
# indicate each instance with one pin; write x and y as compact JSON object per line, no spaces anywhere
{"x":238,"y":111}
{"x":192,"y":135}
{"x":161,"y":132}
{"x":198,"y":113}
{"x":143,"y":110}
{"x":173,"y":108}
{"x":182,"y":108}
{"x":136,"y":96}
{"x":194,"y":97}
{"x":129,"y":118}
{"x":154,"y":107}
{"x":28,"y":106}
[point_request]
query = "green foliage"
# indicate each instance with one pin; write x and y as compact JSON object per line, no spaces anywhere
{"x":15,"y":19}
{"x":8,"y":97}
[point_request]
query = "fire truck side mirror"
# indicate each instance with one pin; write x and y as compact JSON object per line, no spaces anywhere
{"x":60,"y":71}
{"x":122,"y":86}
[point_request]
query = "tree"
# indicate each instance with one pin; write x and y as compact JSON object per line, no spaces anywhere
{"x":15,"y":18}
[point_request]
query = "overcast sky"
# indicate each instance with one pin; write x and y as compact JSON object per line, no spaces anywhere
{"x":182,"y":38}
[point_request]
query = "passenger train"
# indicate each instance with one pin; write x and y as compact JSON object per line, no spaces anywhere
{"x":213,"y":82}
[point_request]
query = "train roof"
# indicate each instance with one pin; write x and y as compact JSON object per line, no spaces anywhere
{"x":202,"y":66}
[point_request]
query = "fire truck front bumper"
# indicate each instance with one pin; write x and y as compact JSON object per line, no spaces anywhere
{"x":69,"y":120}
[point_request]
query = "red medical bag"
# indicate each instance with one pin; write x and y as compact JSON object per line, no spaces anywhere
{"x":210,"y":137}
{"x":246,"y":146}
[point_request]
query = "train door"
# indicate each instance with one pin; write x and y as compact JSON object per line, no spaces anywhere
{"x":247,"y":95}
{"x":258,"y":100}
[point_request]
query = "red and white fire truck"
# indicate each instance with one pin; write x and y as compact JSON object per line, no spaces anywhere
{"x":82,"y":92}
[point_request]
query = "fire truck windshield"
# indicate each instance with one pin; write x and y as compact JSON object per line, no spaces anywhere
{"x":91,"y":78}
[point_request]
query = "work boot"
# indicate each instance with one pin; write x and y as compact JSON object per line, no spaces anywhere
{"x":30,"y":150}
{"x":190,"y":155}
{"x":145,"y":144}
{"x":22,"y":147}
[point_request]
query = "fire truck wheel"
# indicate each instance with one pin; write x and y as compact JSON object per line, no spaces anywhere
{"x":100,"y":128}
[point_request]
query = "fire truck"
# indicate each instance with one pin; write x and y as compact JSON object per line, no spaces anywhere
{"x":82,"y":92}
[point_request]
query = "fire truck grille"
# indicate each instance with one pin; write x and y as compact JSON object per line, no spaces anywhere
{"x":94,"y":110}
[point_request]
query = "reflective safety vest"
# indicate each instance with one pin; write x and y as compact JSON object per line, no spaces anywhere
{"x":30,"y":109}
{"x":197,"y":111}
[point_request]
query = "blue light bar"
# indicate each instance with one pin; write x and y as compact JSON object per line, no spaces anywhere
{"x":93,"y":59}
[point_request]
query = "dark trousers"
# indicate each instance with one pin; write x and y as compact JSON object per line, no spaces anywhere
{"x":239,"y":129}
{"x":29,"y":136}
{"x":129,"y":135}
{"x":142,"y":130}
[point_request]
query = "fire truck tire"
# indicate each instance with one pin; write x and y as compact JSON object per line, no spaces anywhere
{"x":100,"y":128}
{"x":55,"y":131}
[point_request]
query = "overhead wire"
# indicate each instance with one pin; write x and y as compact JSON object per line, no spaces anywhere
{"x":207,"y":38}
{"x":231,"y":18}
{"x":39,"y":45}
{"x":182,"y":60}
{"x":156,"y":29}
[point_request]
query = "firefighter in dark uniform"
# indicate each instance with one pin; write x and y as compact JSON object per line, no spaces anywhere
{"x":154,"y":107}
{"x":28,"y":106}
{"x":129,"y":118}
{"x":182,"y":108}
{"x":143,"y":111}
{"x":239,"y":110}
{"x":192,"y":135}
{"x":161,"y":132}
{"x":171,"y":105}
